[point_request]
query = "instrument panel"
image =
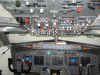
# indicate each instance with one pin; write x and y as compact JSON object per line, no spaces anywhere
{"x":42,"y":60}
{"x":54,"y":17}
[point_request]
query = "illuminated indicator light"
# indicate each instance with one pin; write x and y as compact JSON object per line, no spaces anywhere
{"x":77,"y":71}
{"x":27,"y":58}
{"x":47,"y":25}
{"x":41,"y":10}
{"x":31,"y":10}
{"x":72,"y":60}
{"x":78,"y":9}
{"x":49,"y":52}
{"x":30,"y":61}
{"x":98,"y":7}
{"x":27,"y":3}
{"x":38,"y":24}
{"x":28,"y":46}
{"x":26,"y":20}
{"x":86,"y":49}
{"x":73,"y":1}
{"x":26,"y":61}
{"x":72,"y":63}
{"x":54,"y":23}
{"x":48,"y":29}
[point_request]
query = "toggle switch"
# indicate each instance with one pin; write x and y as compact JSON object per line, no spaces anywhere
{"x":41,"y":11}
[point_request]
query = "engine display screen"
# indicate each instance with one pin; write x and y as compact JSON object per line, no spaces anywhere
{"x":38,"y":60}
{"x":73,"y":60}
{"x":27,"y":58}
{"x":57,"y":60}
{"x":85,"y":61}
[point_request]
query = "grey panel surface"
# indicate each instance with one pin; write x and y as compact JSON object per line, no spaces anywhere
{"x":54,"y":59}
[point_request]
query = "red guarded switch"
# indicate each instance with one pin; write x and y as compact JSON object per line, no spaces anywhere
{"x":79,"y":9}
{"x":28,"y":46}
{"x":77,"y":71}
{"x":99,"y":7}
{"x":26,"y":20}
{"x":48,"y":29}
{"x":72,"y":63}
